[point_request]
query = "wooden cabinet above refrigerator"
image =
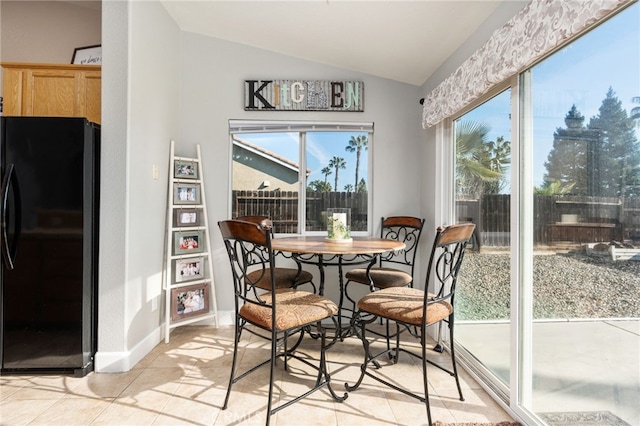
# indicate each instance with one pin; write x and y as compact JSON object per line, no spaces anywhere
{"x":52,"y":90}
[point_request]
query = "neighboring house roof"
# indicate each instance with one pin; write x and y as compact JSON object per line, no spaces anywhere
{"x":269,"y":155}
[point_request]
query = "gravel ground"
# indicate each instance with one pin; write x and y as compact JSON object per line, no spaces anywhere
{"x":571,"y":285}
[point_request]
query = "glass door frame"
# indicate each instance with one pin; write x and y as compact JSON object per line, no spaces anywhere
{"x":516,"y":396}
{"x":522,"y":220}
{"x":512,"y":398}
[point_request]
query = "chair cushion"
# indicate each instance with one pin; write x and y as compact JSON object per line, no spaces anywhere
{"x":285,"y":278}
{"x":403,"y":304}
{"x":293,"y":309}
{"x":382,"y":277}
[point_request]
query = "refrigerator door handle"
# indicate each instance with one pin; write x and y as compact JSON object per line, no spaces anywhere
{"x":9,"y":249}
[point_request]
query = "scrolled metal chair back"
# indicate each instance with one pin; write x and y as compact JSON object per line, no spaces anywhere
{"x":248,"y":246}
{"x":446,"y":258}
{"x":406,"y":229}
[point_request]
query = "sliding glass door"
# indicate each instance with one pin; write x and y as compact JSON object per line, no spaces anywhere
{"x":483,"y":196}
{"x":548,"y":309}
{"x":585,"y":184}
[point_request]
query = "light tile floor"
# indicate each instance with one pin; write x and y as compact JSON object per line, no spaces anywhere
{"x":184,"y":383}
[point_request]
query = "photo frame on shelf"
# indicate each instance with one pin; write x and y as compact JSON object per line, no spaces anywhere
{"x":188,"y":242}
{"x":186,"y":193}
{"x":87,"y":55}
{"x":189,"y":269}
{"x":189,"y":301}
{"x":185,"y":169}
{"x":186,"y":217}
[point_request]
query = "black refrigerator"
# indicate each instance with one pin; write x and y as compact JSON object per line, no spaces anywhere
{"x":49,"y":203}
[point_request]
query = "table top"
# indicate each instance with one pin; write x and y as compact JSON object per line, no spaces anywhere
{"x":321,"y":245}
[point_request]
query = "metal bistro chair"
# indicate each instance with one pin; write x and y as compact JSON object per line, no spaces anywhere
{"x":394,"y":269}
{"x":276,"y":314}
{"x":285,"y":277}
{"x":414,"y":309}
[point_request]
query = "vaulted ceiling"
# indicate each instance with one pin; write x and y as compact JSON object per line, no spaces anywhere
{"x":404,"y":41}
{"x":400,"y":40}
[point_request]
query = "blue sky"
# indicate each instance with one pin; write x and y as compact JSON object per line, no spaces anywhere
{"x":321,"y":147}
{"x":581,"y":74}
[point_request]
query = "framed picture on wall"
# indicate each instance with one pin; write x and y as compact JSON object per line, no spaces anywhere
{"x":186,"y":193}
{"x":87,"y":55}
{"x":184,"y":169}
{"x":190,"y":301}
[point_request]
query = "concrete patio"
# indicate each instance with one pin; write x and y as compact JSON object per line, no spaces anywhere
{"x":579,"y":365}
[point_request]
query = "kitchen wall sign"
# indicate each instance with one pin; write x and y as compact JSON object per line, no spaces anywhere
{"x":303,"y":95}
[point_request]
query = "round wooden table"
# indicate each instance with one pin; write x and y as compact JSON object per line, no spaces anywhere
{"x":320,"y":251}
{"x":319,"y":245}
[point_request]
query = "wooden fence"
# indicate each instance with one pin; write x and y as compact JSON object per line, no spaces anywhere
{"x":557,"y":219}
{"x":282,"y":206}
{"x":598,"y":218}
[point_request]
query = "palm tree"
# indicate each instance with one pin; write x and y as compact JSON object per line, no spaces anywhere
{"x":499,"y":152}
{"x":337,"y":163}
{"x":554,"y":188}
{"x":348,"y":187}
{"x":326,"y":172}
{"x":357,"y":144}
{"x":319,"y":186}
{"x":472,"y":162}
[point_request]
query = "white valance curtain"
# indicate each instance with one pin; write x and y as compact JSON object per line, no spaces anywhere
{"x":537,"y":30}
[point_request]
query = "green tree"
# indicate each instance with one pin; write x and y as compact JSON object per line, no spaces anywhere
{"x":498,"y":155}
{"x":473,"y":158}
{"x":326,"y":171}
{"x":319,"y":186}
{"x":362,"y":186}
{"x":601,"y":159}
{"x":620,"y":158}
{"x":635,"y":111}
{"x":357,"y":144}
{"x":553,"y":188}
{"x":337,"y":163}
{"x":568,"y":165}
{"x":348,"y":187}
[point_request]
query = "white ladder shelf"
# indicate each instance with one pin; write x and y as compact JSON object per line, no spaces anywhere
{"x":190,"y":294}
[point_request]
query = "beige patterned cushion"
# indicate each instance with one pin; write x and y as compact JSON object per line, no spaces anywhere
{"x":293,"y":308}
{"x":285,"y":278}
{"x":382,"y":277}
{"x":403,"y":304}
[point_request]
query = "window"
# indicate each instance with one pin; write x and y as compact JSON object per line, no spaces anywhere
{"x":483,"y":192}
{"x":273,"y":163}
{"x":555,"y":343}
{"x":584,"y":179}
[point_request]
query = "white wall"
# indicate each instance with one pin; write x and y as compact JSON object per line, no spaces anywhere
{"x":46,"y":31}
{"x":139,"y":110}
{"x":153,"y":104}
{"x":211,"y":92}
{"x":113,"y":188}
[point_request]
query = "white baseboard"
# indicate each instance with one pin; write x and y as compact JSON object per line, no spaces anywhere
{"x":226,"y":317}
{"x":118,"y":362}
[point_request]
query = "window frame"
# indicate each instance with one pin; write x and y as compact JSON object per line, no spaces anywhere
{"x":303,"y":128}
{"x":516,"y":397}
